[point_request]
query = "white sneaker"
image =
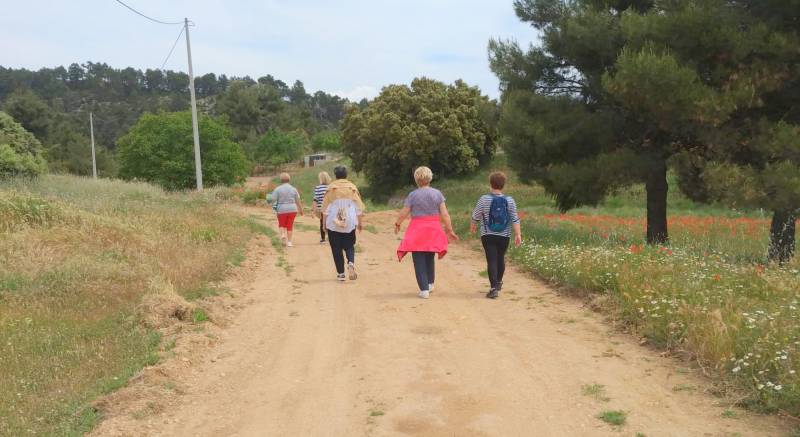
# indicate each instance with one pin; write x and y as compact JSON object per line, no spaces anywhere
{"x":430,"y":288}
{"x":340,"y":278}
{"x":289,"y":244}
{"x":424,"y":294}
{"x":351,"y":269}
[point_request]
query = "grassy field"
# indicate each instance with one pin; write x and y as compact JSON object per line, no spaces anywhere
{"x":77,"y":257}
{"x":709,"y":295}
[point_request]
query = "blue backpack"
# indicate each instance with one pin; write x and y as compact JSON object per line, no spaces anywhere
{"x":498,"y":214}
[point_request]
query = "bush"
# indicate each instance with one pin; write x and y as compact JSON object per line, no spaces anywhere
{"x":277,"y":147}
{"x":20,"y":151}
{"x":159,"y":148}
{"x":446,"y":127}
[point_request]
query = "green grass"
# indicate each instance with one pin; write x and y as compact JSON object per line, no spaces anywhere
{"x":199,"y":315}
{"x":201,"y":292}
{"x":77,"y":257}
{"x":597,"y":391}
{"x":613,"y":417}
{"x":376,"y":413}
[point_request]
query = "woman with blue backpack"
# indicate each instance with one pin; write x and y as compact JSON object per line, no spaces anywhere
{"x":496,"y":214}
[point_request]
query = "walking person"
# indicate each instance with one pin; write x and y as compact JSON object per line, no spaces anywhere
{"x":319,"y":196}
{"x":496,"y":214}
{"x":342,"y":212}
{"x":424,"y":237}
{"x":287,"y":204}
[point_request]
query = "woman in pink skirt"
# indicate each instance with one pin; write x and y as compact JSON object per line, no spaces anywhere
{"x":424,"y":237}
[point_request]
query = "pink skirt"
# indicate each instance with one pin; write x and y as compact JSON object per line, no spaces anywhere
{"x":424,"y":234}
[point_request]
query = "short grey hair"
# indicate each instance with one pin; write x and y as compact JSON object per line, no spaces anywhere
{"x":423,"y":175}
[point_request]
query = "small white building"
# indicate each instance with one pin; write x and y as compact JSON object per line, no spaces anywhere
{"x":315,"y":159}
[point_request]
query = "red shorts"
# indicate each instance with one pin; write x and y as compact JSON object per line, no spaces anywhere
{"x":286,"y":220}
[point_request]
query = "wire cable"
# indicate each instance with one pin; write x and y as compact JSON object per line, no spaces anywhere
{"x":145,"y":16}
{"x":175,"y":44}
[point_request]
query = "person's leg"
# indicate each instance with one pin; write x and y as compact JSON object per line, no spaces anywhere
{"x":350,"y":246}
{"x":420,"y":270}
{"x":290,"y":227}
{"x":430,"y":263}
{"x":334,"y":238}
{"x":321,"y":230}
{"x":490,"y":249}
{"x":350,"y":251}
{"x":502,"y":247}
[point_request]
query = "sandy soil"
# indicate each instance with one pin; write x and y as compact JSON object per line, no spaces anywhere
{"x":299,"y":354}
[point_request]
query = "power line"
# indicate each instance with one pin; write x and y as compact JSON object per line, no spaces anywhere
{"x":145,"y":16}
{"x":173,"y":47}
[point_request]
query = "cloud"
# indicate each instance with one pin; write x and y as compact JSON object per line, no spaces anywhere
{"x":358,"y":93}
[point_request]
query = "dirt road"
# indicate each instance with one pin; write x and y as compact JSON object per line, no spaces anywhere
{"x":308,"y":356}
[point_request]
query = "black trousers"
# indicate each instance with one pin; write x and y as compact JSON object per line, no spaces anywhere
{"x":321,"y":229}
{"x":424,"y":268}
{"x":495,"y":247}
{"x":342,"y":245}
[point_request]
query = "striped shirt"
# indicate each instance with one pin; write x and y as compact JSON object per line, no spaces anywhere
{"x":319,"y":194}
{"x":480,"y":215}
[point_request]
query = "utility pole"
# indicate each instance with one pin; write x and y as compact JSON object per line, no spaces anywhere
{"x":196,"y":131}
{"x":94,"y":160}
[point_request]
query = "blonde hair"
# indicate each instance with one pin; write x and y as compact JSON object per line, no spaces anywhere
{"x":285,"y":177}
{"x":423,"y":175}
{"x":324,"y":178}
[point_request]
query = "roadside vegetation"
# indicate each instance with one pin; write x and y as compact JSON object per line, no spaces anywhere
{"x":77,"y":257}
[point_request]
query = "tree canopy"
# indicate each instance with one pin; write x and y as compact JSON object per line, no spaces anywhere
{"x":20,"y":151}
{"x":54,"y":104}
{"x":446,"y":127}
{"x":159,"y":148}
{"x":619,"y":90}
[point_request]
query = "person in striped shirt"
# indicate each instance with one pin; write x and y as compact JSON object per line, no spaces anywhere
{"x":495,"y":239}
{"x":319,"y":196}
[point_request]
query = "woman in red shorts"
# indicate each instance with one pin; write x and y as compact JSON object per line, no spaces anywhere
{"x":287,"y":204}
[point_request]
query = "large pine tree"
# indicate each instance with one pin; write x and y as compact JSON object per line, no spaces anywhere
{"x":618,"y":89}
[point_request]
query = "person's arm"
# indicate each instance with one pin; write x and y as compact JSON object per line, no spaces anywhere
{"x":448,"y":225}
{"x":299,"y":203}
{"x":401,"y":217}
{"x":517,"y":234}
{"x":516,"y":223}
{"x":476,"y":217}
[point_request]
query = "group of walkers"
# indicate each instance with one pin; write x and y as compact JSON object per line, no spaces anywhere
{"x":340,"y":210}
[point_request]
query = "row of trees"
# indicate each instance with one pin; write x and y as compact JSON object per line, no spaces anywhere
{"x":619,"y":91}
{"x":54,"y":104}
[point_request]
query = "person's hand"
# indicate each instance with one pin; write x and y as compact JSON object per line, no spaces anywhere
{"x":360,"y":227}
{"x":452,"y":235}
{"x":396,"y":228}
{"x":473,"y":227}
{"x":518,"y":240}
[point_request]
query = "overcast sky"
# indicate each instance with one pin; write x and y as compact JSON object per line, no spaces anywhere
{"x":348,"y":47}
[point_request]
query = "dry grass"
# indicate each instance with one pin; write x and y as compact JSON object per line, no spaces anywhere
{"x":77,"y":258}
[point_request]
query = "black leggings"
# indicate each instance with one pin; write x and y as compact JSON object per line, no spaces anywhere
{"x":342,"y":244}
{"x":321,"y":229}
{"x":495,"y":248}
{"x":424,"y":268}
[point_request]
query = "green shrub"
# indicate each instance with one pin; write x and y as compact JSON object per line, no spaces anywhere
{"x":20,"y":151}
{"x":160,"y":149}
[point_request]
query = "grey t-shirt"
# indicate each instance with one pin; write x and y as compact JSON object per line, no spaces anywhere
{"x":424,"y":201}
{"x":285,"y":196}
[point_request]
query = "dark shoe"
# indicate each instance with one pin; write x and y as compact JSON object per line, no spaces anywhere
{"x":492,"y":294}
{"x":499,"y":286}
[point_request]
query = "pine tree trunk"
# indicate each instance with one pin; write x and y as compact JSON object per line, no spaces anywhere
{"x":782,"y":236}
{"x":657,"y":188}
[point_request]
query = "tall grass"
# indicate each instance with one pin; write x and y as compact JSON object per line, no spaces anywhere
{"x":76,"y":258}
